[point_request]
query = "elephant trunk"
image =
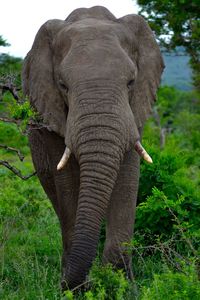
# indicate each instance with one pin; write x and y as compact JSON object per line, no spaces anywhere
{"x":100,"y":139}
{"x":98,"y":173}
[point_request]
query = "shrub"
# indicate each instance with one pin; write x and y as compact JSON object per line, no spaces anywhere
{"x":173,"y":286}
{"x":105,"y":284}
{"x":162,"y":219}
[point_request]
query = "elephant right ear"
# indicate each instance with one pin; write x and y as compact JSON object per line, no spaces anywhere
{"x":145,"y":52}
{"x":38,"y":78}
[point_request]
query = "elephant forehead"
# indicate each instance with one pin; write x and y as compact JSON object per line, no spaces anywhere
{"x":82,"y":65}
{"x":84,"y":31}
{"x":101,"y":57}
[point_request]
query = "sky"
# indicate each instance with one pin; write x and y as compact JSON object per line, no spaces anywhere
{"x":21,"y":19}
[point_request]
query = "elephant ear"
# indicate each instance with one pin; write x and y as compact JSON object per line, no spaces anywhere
{"x":144,"y":51}
{"x":38,"y":78}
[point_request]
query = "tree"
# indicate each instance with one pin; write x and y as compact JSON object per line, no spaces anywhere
{"x":9,"y":64}
{"x":10,"y":91}
{"x":3,"y":42}
{"x":176,"y":23}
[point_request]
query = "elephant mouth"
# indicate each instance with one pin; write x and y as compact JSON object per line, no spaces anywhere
{"x":138,"y":148}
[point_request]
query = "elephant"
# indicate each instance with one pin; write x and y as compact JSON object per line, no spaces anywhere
{"x":92,"y":78}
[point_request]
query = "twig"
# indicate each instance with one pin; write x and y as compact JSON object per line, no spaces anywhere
{"x":163,"y":130}
{"x":11,"y":88}
{"x":7,"y":120}
{"x":20,"y":155}
{"x":15,"y":170}
{"x":82,"y":284}
{"x":187,"y":240}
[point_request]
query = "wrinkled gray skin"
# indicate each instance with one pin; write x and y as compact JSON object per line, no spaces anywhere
{"x":93,"y":79}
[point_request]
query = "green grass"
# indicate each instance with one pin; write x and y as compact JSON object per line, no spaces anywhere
{"x":30,"y":246}
{"x":31,"y":260}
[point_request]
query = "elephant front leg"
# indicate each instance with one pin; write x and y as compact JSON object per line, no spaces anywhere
{"x":60,"y":186}
{"x":67,"y":187}
{"x":121,"y":215}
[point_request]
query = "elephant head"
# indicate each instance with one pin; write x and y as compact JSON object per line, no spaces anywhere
{"x":93,"y":79}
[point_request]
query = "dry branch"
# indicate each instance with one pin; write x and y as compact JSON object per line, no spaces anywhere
{"x":163,"y":130}
{"x":8,"y":120}
{"x":9,"y":86}
{"x":20,"y":155}
{"x":15,"y":170}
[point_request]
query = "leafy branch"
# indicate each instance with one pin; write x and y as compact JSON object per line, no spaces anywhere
{"x":176,"y":23}
{"x":21,"y":114}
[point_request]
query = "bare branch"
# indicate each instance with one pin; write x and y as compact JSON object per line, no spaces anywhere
{"x":180,"y":227}
{"x":15,"y":170}
{"x":8,"y":120}
{"x":162,"y":130}
{"x":11,"y":88}
{"x":20,"y":155}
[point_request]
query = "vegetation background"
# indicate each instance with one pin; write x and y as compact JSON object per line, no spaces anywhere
{"x":166,"y":243}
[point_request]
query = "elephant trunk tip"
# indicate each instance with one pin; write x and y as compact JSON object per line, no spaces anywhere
{"x":142,"y":152}
{"x":64,"y":159}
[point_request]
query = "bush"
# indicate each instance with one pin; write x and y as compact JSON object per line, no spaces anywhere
{"x":173,"y":286}
{"x":104,"y":284}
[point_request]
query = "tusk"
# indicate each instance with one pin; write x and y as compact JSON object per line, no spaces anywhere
{"x":64,"y":159}
{"x":142,"y":152}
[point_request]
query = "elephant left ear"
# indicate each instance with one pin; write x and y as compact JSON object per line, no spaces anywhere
{"x":144,"y":51}
{"x":38,"y":78}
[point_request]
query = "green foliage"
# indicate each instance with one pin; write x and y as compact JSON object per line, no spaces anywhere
{"x":69,"y":295}
{"x":104,"y":284}
{"x":23,"y":112}
{"x":167,"y":227}
{"x":3,"y":42}
{"x":107,"y":283}
{"x":29,"y":253}
{"x":20,"y":110}
{"x":10,"y":135}
{"x":176,"y":23}
{"x":30,"y":245}
{"x":10,"y":65}
{"x":14,"y":197}
{"x":169,"y":194}
{"x":173,"y":286}
{"x":155,"y":214}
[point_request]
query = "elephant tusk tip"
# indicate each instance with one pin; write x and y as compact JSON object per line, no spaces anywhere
{"x":148,"y":158}
{"x":62,"y":163}
{"x":142,"y":152}
{"x":59,"y":166}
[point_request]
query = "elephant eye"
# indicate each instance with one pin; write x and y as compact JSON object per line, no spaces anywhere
{"x":130,"y":84}
{"x":63,"y":86}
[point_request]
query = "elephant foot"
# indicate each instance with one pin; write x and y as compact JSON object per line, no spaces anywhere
{"x":119,"y":260}
{"x":75,"y":281}
{"x":70,"y":285}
